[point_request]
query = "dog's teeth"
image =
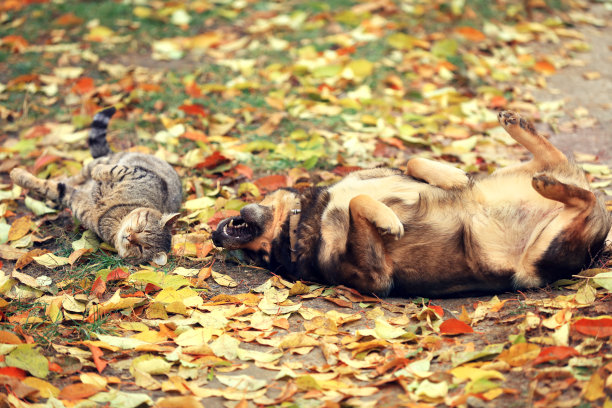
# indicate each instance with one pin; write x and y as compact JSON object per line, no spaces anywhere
{"x":225,"y":229}
{"x":231,"y":223}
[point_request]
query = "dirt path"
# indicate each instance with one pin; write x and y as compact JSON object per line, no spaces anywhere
{"x":586,"y":88}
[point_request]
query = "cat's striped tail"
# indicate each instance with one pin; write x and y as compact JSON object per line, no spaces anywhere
{"x":97,"y":135}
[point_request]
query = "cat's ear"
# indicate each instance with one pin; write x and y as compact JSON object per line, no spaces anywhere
{"x":160,"y":258}
{"x":168,"y":219}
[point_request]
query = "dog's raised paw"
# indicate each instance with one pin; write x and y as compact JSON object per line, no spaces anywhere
{"x":508,"y":118}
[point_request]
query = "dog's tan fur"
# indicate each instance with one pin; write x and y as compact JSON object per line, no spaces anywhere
{"x":434,"y":231}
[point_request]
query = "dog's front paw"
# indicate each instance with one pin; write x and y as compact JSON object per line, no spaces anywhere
{"x":389,"y":224}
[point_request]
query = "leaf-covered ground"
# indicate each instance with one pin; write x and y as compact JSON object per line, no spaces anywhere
{"x":246,"y":96}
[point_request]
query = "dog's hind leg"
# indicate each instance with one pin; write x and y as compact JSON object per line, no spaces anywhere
{"x":437,"y":174}
{"x":365,"y":265}
{"x":545,"y":154}
{"x":558,"y":253}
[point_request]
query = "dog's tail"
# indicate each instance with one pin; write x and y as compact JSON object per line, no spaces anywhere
{"x":97,"y":135}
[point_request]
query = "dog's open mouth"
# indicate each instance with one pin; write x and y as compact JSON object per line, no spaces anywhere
{"x":234,"y":231}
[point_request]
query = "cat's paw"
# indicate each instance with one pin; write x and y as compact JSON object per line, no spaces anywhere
{"x":20,"y":176}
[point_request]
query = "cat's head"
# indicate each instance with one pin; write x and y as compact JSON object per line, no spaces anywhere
{"x":145,"y":235}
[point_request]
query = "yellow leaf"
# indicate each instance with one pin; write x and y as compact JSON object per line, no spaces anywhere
{"x":51,"y":261}
{"x":224,"y":280}
{"x":116,"y":302}
{"x":19,"y":228}
{"x":196,"y":337}
{"x":28,"y":358}
{"x":150,"y":364}
{"x":46,"y":390}
{"x":473,"y":373}
{"x":594,"y":389}
{"x":99,"y":34}
{"x":519,"y":354}
{"x":297,"y":339}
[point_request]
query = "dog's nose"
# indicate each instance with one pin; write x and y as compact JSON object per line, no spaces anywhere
{"x":253,"y":213}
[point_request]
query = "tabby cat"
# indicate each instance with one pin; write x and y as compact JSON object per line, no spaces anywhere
{"x":129,"y":199}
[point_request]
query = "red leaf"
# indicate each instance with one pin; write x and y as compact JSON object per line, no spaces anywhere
{"x":83,"y":85}
{"x":43,"y":161}
{"x":96,"y":353}
{"x":454,"y":326}
{"x":212,"y":161}
{"x":271,"y":183}
{"x":98,"y":288}
{"x":13,"y":372}
{"x":220,"y":216}
{"x":117,"y":274}
{"x":150,"y":87}
{"x":194,"y":109}
{"x":344,"y":170}
{"x":437,"y":309}
{"x":193,"y":90}
{"x":555,"y":353}
{"x":151,"y":288}
{"x":594,"y":327}
{"x":56,"y":368}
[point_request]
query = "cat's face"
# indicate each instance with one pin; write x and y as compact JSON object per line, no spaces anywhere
{"x":144,"y":235}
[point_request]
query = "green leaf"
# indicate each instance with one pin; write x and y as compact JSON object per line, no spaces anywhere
{"x":28,"y":358}
{"x":604,"y":280}
{"x":38,"y":207}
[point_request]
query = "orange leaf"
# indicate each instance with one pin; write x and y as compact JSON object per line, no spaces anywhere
{"x":96,"y":353}
{"x":555,"y":353}
{"x":16,"y":42}
{"x":203,"y":249}
{"x":339,"y":302}
{"x":77,"y":254}
{"x":244,"y":170}
{"x":19,"y":228}
{"x":594,"y":327}
{"x":117,"y":274}
{"x":193,"y":90}
{"x":13,"y":372}
{"x":79,"y":391}
{"x":98,"y":288}
{"x":56,"y":368}
{"x":68,"y":19}
{"x":7,"y":337}
{"x":194,"y":109}
{"x":271,"y":183}
{"x":43,"y":161}
{"x":195,"y":136}
{"x":28,"y":258}
{"x":83,"y":85}
{"x":454,"y":326}
{"x":37,"y":131}
{"x":470,"y":33}
{"x":544,"y":67}
{"x":150,"y":87}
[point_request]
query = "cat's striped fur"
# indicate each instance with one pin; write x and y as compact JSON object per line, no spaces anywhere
{"x":128,"y":199}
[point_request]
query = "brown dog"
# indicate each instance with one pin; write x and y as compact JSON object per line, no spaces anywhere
{"x":433,"y":231}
